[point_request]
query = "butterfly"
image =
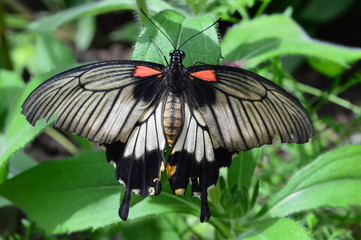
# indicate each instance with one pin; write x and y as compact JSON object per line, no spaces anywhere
{"x":135,"y":109}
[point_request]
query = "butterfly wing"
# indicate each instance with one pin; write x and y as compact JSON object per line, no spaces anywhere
{"x":100,"y":102}
{"x":139,"y":159}
{"x":117,"y":104}
{"x":244,"y":110}
{"x":227,"y":110}
{"x":196,"y":156}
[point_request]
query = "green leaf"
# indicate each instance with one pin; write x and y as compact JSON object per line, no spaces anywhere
{"x":327,"y":68}
{"x":126,"y":33}
{"x":52,"y":22}
{"x":69,"y":195}
{"x":19,"y":163}
{"x":241,"y":172}
{"x":81,"y":192}
{"x":51,"y":53}
{"x":10,"y":85}
{"x":86,"y":28}
{"x":22,"y":52}
{"x":275,"y":229}
{"x":333,"y":180}
{"x":202,"y":48}
{"x":4,"y":202}
{"x":166,"y":202}
{"x":156,"y":6}
{"x":323,"y":11}
{"x":18,"y":131}
{"x":266,"y":37}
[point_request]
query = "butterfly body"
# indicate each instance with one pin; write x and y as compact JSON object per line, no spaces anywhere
{"x":172,"y":117}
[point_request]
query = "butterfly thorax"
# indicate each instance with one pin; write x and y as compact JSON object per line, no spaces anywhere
{"x":175,"y":72}
{"x":176,"y":57}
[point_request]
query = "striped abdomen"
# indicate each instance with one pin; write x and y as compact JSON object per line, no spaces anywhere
{"x":172,"y":118}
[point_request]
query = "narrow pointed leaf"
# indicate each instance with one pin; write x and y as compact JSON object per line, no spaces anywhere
{"x":332,"y":180}
{"x":52,"y":22}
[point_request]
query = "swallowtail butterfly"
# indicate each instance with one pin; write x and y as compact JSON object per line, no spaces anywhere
{"x":206,"y":113}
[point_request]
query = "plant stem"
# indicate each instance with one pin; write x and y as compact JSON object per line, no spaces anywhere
{"x":243,"y":12}
{"x":222,"y":229}
{"x":68,"y":145}
{"x":4,"y":169}
{"x":262,"y":7}
{"x":330,"y":97}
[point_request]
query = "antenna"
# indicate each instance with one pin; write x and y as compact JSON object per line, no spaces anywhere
{"x":219,"y":19}
{"x":158,"y":28}
{"x":159,"y":50}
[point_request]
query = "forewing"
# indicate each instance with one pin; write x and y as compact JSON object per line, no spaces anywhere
{"x":244,"y":110}
{"x":100,"y":102}
{"x":139,"y":158}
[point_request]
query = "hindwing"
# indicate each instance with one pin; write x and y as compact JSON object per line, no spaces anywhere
{"x":196,"y":157}
{"x":139,"y":157}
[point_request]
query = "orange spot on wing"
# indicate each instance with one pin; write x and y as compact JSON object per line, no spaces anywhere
{"x":142,"y":71}
{"x":206,"y":75}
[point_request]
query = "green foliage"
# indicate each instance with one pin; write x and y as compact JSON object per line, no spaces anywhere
{"x":178,"y":29}
{"x":267,"y":37}
{"x":52,"y":22}
{"x":321,"y":183}
{"x":322,"y":11}
{"x":50,"y":52}
{"x":60,"y":199}
{"x":321,"y":194}
{"x":270,"y":229}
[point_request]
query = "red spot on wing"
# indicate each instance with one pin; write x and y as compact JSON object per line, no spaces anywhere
{"x":206,"y":75}
{"x":142,"y":71}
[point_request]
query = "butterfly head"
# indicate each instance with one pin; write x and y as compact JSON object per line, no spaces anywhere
{"x":176,"y":57}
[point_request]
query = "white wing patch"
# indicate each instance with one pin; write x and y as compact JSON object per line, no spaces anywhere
{"x":197,"y":157}
{"x":148,"y":135}
{"x":194,"y":137}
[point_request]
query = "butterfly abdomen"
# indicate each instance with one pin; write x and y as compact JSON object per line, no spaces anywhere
{"x":172,"y":117}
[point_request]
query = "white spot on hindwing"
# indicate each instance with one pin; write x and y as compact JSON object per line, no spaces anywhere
{"x":148,"y":136}
{"x":113,"y":163}
{"x":139,"y":150}
{"x":129,"y":148}
{"x":200,"y":145}
{"x":209,"y":147}
{"x":194,"y":139}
